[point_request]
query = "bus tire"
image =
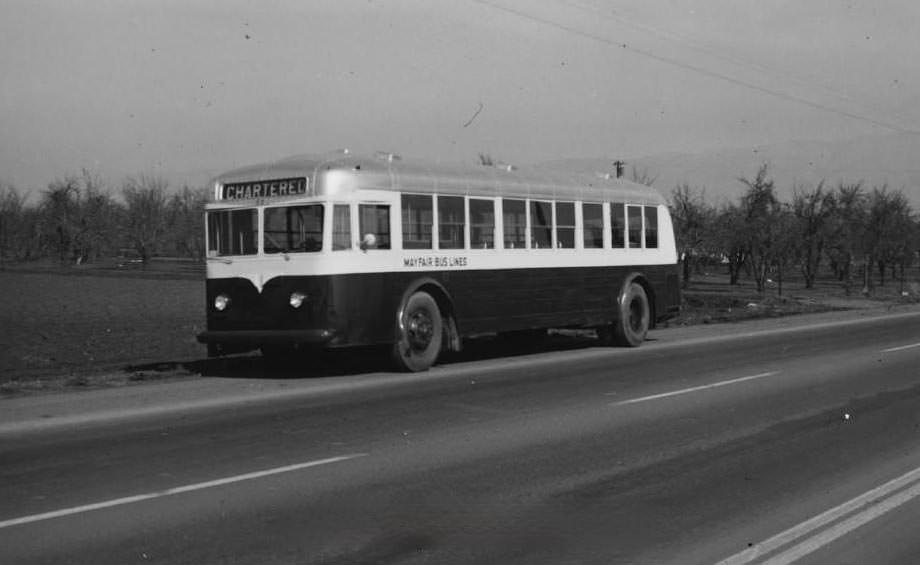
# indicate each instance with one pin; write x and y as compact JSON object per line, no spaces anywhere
{"x":420,"y":334}
{"x":632,"y":324}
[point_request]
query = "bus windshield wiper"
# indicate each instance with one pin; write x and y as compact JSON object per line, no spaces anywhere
{"x":280,"y":249}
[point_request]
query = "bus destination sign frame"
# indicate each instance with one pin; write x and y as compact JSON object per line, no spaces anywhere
{"x":275,"y":188}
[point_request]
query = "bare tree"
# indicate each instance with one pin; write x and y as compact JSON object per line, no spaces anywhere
{"x":97,"y":219}
{"x":786,"y":242}
{"x":12,"y":206}
{"x":185,"y":211}
{"x":847,"y":225}
{"x":145,"y":221}
{"x":887,"y":230}
{"x":729,"y":238}
{"x":693,"y":220}
{"x":59,"y":214}
{"x":641,"y":177}
{"x":812,"y":211}
{"x":78,"y":219}
{"x":761,"y":209}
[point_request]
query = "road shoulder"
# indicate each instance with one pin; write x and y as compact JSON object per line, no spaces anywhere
{"x":22,"y":414}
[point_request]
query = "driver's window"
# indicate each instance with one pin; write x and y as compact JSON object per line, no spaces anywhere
{"x":374,"y":221}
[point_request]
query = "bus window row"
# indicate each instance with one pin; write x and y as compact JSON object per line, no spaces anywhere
{"x":525,"y":224}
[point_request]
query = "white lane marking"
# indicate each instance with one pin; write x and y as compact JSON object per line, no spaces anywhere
{"x":173,"y":491}
{"x":827,"y":536}
{"x":901,"y":348}
{"x":874,"y":497}
{"x":694,"y":389}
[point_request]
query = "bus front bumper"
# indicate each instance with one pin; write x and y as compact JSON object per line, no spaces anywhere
{"x":263,"y":337}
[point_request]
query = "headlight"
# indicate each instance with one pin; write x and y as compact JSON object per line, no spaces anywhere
{"x":297,"y":299}
{"x":221,"y":301}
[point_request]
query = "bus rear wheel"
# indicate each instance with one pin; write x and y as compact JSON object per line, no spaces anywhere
{"x":420,"y":334}
{"x":634,"y":317}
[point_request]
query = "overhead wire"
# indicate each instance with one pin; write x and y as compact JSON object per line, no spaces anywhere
{"x":696,"y":45}
{"x":700,"y":70}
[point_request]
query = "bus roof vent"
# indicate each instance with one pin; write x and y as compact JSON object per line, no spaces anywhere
{"x":388,"y":157}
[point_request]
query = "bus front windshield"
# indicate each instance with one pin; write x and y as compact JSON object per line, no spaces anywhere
{"x":232,"y":232}
{"x":292,"y":229}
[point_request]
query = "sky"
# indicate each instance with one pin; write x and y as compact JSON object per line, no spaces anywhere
{"x":188,"y":88}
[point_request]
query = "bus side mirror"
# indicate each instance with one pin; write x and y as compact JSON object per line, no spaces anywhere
{"x":369,"y":241}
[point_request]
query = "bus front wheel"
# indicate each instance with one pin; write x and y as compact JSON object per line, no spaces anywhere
{"x":420,"y":333}
{"x":632,"y":323}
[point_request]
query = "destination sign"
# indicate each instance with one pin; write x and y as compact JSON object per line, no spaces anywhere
{"x":265,"y":188}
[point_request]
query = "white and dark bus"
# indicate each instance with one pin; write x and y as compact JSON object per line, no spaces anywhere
{"x":342,"y":250}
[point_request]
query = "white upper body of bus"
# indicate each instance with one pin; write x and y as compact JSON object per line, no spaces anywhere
{"x":342,"y":213}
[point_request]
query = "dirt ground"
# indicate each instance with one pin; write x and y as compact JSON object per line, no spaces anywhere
{"x":65,"y":327}
{"x":61,"y":325}
{"x":710,"y":299}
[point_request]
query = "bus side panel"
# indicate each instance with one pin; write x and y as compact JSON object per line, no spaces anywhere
{"x":361,"y":309}
{"x":515,"y":299}
{"x":369,"y":303}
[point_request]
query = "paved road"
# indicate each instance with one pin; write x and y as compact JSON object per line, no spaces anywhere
{"x":784,"y":445}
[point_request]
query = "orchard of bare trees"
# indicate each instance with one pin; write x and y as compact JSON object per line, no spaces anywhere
{"x":861,"y":236}
{"x":79,"y":219}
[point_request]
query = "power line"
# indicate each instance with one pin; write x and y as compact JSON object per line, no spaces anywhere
{"x":701,"y":70}
{"x":704,"y":48}
{"x":733,"y":59}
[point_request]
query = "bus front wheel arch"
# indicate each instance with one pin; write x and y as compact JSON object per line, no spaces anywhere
{"x":420,"y":333}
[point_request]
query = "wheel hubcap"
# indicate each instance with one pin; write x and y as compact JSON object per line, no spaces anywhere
{"x":419,"y":330}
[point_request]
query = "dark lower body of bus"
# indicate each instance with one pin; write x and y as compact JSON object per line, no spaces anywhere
{"x":370,"y":309}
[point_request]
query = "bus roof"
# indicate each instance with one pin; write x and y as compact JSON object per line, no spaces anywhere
{"x":390,"y":173}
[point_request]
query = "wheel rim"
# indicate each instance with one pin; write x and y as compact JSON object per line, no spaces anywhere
{"x":419,"y":330}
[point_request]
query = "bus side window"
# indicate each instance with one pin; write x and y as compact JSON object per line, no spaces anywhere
{"x":514,"y":221}
{"x":593,"y":225}
{"x":634,"y":217}
{"x":651,"y":227}
{"x":482,"y":224}
{"x":341,"y":227}
{"x":374,"y":221}
{"x":541,"y":224}
{"x":451,"y":222}
{"x":617,"y":226}
{"x":565,"y":225}
{"x":417,"y":218}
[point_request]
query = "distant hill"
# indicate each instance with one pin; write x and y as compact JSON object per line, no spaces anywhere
{"x":892,"y":159}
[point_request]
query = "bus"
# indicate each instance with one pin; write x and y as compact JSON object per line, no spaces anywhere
{"x":342,"y":250}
